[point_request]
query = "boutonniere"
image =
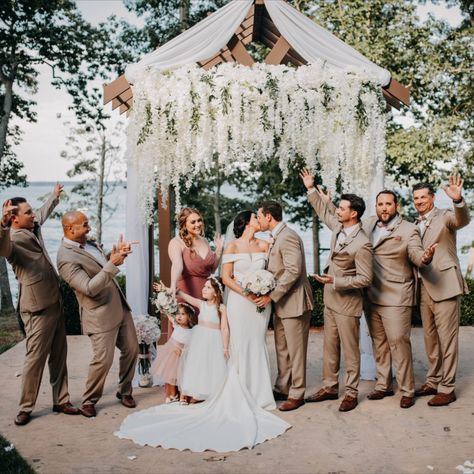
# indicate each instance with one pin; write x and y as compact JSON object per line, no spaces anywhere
{"x":343,"y":245}
{"x":427,"y":223}
{"x":397,"y":237}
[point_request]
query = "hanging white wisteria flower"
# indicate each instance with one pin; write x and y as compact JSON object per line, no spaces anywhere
{"x":183,"y":119}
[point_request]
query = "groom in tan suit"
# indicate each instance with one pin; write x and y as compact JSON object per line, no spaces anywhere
{"x":105,"y":314}
{"x":347,"y":272}
{"x":441,"y":287}
{"x":292,"y":304}
{"x":39,"y":303}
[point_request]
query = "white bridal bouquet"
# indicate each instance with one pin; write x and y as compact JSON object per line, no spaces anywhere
{"x":259,"y":283}
{"x":165,"y":302}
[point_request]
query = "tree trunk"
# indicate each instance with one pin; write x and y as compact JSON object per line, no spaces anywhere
{"x":184,"y":14}
{"x":100,"y":196}
{"x":316,"y":246}
{"x":6,"y":302}
{"x":6,"y":113}
{"x":217,"y":204}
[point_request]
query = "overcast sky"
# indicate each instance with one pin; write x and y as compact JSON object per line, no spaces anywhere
{"x":44,"y":140}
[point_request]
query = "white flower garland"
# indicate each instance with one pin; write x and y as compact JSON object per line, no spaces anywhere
{"x":183,"y":119}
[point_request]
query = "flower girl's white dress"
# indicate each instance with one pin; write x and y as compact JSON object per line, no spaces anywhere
{"x":204,"y":366}
{"x":234,"y":418}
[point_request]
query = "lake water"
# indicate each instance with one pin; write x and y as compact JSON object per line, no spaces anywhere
{"x":52,"y":231}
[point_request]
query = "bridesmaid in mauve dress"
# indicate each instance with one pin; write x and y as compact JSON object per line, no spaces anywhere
{"x":192,"y":260}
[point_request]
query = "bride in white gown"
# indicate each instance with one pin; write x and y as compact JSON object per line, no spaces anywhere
{"x":235,"y":417}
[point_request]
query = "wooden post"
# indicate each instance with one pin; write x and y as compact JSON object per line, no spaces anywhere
{"x":164,"y":237}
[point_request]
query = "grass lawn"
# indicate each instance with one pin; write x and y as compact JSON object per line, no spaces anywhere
{"x":10,"y":332}
{"x":10,"y":461}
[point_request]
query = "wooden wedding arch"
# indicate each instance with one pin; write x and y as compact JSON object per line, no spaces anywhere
{"x":259,"y":27}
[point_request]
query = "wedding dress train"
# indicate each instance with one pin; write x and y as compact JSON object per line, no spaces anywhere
{"x":235,"y":417}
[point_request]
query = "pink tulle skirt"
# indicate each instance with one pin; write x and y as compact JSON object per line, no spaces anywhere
{"x":167,"y":366}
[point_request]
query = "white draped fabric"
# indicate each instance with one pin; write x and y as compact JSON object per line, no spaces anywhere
{"x":198,"y":43}
{"x":206,"y":38}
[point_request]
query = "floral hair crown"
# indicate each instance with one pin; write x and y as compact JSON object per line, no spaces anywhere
{"x":188,"y":306}
{"x":217,"y":282}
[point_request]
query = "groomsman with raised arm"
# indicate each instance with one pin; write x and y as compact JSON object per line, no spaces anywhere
{"x":441,"y":287}
{"x":347,"y":272}
{"x":39,"y":303}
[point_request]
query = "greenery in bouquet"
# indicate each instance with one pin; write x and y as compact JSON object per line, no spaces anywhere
{"x":165,"y":302}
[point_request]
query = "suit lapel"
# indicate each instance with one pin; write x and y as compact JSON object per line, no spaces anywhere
{"x":428,"y":224}
{"x":30,"y":235}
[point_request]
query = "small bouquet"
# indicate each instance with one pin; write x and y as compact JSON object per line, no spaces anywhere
{"x":259,"y":283}
{"x":165,"y":302}
{"x":148,"y":331}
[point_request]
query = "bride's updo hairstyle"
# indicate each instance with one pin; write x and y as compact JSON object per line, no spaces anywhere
{"x":183,"y":232}
{"x":240,"y":222}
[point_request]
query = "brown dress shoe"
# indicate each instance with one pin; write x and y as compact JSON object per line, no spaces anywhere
{"x":321,"y":395}
{"x":442,"y":399}
{"x":66,"y":408}
{"x":424,"y":390}
{"x":379,"y":394}
{"x":278,"y":396}
{"x":23,"y":418}
{"x":291,"y":404}
{"x":126,"y":400}
{"x":349,"y":403}
{"x":88,"y":410}
{"x":407,"y":402}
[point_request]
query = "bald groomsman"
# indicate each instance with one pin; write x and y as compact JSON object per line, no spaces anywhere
{"x":347,"y":272}
{"x":105,"y":313}
{"x":441,"y":287}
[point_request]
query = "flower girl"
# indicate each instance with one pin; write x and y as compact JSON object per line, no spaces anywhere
{"x":167,"y":366}
{"x":205,"y":367}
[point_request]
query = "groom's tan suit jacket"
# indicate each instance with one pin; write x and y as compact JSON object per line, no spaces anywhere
{"x":293,"y":295}
{"x":98,"y":293}
{"x":292,"y":304}
{"x":39,"y":303}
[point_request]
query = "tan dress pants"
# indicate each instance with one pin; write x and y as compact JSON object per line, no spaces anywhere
{"x":390,"y":328}
{"x":103,"y":345}
{"x":45,"y":336}
{"x":340,"y":330}
{"x":291,"y":344}
{"x":441,"y":328}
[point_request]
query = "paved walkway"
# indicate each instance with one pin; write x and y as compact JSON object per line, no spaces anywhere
{"x":377,"y":437}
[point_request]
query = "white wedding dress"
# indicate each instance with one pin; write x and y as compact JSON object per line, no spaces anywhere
{"x":235,"y":417}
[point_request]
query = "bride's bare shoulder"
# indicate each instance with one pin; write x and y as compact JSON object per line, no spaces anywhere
{"x":263,"y":245}
{"x":231,"y":248}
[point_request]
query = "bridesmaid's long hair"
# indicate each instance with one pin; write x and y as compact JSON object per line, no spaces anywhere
{"x":183,"y":232}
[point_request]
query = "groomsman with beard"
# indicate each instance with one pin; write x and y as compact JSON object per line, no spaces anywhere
{"x":441,"y":287}
{"x":347,"y":273}
{"x":391,"y":297}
